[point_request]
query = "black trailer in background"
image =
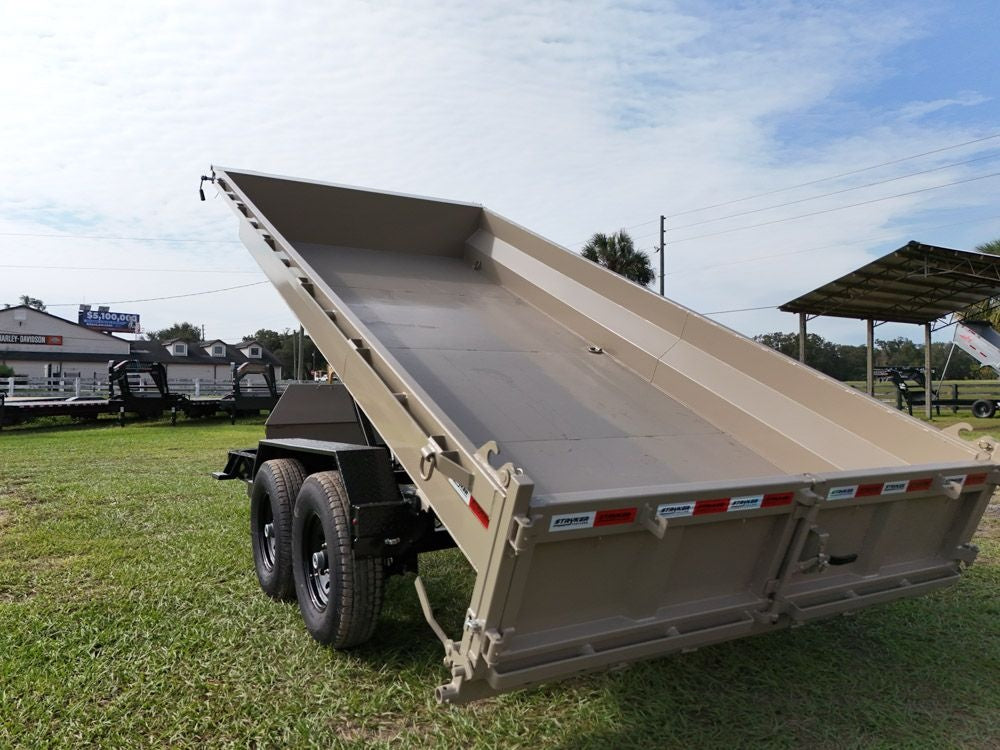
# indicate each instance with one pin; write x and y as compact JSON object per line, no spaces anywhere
{"x":129,"y":394}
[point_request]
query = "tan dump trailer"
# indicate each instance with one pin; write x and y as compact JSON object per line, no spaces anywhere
{"x":627,"y":478}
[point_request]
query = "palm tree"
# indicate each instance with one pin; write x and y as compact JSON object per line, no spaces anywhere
{"x":617,"y":253}
{"x":989,"y":308}
{"x":990,"y":248}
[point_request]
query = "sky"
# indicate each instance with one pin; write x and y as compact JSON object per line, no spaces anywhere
{"x":567,"y":117}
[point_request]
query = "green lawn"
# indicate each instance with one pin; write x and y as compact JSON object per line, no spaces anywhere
{"x":130,"y":616}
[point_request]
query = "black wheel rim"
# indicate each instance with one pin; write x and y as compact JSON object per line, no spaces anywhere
{"x":266,"y":533}
{"x":315,"y":562}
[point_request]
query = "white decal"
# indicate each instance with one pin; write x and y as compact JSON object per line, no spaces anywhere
{"x":462,"y":491}
{"x":570,"y":521}
{"x":747,"y":502}
{"x":675,"y":510}
{"x":842,"y":493}
{"x":894,"y":488}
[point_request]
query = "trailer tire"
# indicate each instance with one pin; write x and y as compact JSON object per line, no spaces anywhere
{"x":984,"y":408}
{"x":340,"y":596}
{"x":271,"y":500}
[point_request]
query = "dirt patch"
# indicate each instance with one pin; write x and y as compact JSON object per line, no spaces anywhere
{"x":13,"y":489}
{"x":12,"y":596}
{"x":989,"y":527}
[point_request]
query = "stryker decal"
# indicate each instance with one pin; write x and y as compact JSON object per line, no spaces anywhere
{"x":675,"y":510}
{"x":571,"y":521}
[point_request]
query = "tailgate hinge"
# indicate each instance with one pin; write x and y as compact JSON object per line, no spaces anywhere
{"x":520,"y":533}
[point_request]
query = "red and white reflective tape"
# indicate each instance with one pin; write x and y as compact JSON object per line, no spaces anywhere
{"x":899,"y":486}
{"x":724,"y":505}
{"x":468,"y":499}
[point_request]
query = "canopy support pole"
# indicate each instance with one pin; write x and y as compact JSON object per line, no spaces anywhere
{"x":928,"y":390}
{"x":802,"y":337}
{"x":870,"y":362}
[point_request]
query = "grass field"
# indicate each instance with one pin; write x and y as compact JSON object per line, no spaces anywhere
{"x":130,"y":616}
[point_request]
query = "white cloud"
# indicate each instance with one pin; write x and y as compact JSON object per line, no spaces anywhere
{"x":915,"y":110}
{"x":567,"y":118}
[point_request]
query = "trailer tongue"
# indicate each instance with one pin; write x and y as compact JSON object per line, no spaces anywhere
{"x":665,"y":483}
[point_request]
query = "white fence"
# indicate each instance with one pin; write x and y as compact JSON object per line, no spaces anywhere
{"x":67,"y":387}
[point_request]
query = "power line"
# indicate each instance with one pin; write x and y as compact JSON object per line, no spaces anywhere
{"x":741,"y":309}
{"x":835,"y":192}
{"x":836,"y":176}
{"x":113,"y":237}
{"x":158,"y":299}
{"x":874,"y":238}
{"x":812,"y":182}
{"x":831,"y":210}
{"x":137,"y":270}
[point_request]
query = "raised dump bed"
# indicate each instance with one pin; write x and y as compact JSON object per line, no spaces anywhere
{"x":627,"y":477}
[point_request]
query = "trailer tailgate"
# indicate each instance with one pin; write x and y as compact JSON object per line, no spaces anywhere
{"x":600,"y":579}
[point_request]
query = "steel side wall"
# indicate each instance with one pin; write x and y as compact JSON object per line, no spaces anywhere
{"x":373,"y":376}
{"x":794,"y":416}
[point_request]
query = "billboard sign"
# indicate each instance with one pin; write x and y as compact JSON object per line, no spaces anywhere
{"x":105,"y":320}
{"x":32,"y":339}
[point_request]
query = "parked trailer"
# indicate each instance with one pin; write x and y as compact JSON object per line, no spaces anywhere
{"x":129,"y":393}
{"x":981,"y":406}
{"x":126,"y":395}
{"x":244,"y":399}
{"x":666,"y":483}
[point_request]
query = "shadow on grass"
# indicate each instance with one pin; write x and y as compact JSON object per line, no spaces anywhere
{"x":403,"y":638}
{"x":899,"y":675}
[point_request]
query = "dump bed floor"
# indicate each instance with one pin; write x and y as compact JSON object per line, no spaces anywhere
{"x":503,"y":370}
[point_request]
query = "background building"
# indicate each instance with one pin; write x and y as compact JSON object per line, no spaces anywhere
{"x":37,"y":344}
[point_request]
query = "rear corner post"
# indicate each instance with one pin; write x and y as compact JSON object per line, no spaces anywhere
{"x":928,"y":375}
{"x":802,"y":337}
{"x":870,"y":361}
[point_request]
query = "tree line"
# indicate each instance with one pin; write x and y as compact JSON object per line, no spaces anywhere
{"x":848,"y":361}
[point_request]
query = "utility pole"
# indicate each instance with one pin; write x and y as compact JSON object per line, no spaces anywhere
{"x":662,"y":220}
{"x":302,"y":342}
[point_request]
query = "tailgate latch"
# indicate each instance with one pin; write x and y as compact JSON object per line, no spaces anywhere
{"x":820,"y":560}
{"x":434,"y":455}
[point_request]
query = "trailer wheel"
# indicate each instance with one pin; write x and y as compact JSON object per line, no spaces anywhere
{"x":340,"y":596}
{"x":274,"y":490}
{"x":983,"y":408}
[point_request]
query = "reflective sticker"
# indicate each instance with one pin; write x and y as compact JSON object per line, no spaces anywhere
{"x":920,"y":485}
{"x":478,"y":512}
{"x":975,"y":479}
{"x":718,"y":505}
{"x":869,"y":490}
{"x":747,"y":502}
{"x":842,"y":493}
{"x":894,"y":488}
{"x":571,"y":521}
{"x":777,"y":498}
{"x":614,"y":517}
{"x":675,"y":510}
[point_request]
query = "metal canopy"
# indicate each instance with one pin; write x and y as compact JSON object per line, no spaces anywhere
{"x":915,"y":284}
